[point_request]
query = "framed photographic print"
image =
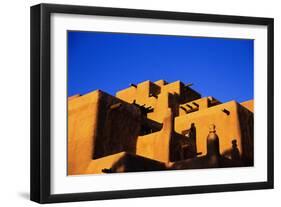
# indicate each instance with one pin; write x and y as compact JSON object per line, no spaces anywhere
{"x":132,"y":103}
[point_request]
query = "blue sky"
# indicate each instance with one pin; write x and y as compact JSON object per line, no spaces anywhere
{"x":217,"y":67}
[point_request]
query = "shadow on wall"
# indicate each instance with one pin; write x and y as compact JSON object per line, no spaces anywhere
{"x":113,"y":134}
{"x":233,"y":153}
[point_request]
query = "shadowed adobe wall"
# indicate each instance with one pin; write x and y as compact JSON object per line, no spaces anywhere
{"x":98,"y":126}
{"x":118,"y":127}
{"x":246,"y":121}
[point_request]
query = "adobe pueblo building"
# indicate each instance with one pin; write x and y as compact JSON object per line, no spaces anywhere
{"x":157,"y":126}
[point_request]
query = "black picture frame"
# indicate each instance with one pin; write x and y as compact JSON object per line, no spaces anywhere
{"x":41,"y":96}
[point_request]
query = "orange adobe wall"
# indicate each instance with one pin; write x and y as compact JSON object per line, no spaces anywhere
{"x":148,"y":127}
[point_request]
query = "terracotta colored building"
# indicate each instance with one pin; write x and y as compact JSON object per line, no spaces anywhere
{"x":156,"y":126}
